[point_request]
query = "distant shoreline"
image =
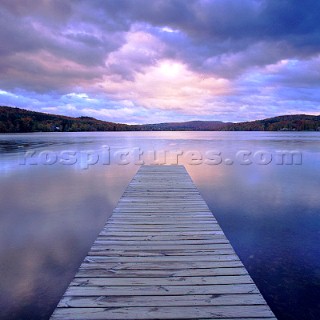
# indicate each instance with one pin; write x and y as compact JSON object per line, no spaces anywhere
{"x":16,"y":120}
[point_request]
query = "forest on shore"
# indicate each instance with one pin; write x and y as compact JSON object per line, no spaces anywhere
{"x":16,"y":120}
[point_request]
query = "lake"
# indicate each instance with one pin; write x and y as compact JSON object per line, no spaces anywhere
{"x":58,"y":189}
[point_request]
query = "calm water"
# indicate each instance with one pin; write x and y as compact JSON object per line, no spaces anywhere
{"x":54,"y":204}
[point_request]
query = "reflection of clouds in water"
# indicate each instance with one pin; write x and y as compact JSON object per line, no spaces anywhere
{"x":50,"y":215}
{"x":49,"y":220}
{"x":270,"y":214}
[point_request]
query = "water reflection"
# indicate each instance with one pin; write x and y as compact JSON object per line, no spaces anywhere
{"x":49,"y":219}
{"x":51,"y":214}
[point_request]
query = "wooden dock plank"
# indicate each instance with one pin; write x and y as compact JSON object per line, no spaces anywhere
{"x":161,"y":301}
{"x":185,"y":312}
{"x":159,"y":266}
{"x":162,"y":255}
{"x":156,"y":273}
{"x":160,"y":290}
{"x":172,"y":281}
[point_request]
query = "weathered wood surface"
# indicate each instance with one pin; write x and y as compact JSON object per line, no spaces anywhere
{"x":162,"y":255}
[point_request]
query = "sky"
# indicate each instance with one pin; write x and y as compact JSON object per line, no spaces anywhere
{"x":142,"y":61}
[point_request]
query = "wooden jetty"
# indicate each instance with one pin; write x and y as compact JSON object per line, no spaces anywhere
{"x":162,"y":255}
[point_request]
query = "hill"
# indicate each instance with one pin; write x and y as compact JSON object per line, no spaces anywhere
{"x":298,"y":122}
{"x":185,"y":126}
{"x":15,"y":120}
{"x":20,"y":120}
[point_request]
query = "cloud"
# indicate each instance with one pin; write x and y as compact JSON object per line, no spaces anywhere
{"x":177,"y":59}
{"x":211,"y":29}
{"x":168,"y":85}
{"x":140,"y":51}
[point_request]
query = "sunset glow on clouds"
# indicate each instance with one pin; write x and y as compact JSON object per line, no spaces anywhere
{"x":155,"y":61}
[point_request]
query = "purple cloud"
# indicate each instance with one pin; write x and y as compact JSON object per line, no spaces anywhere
{"x":146,"y":61}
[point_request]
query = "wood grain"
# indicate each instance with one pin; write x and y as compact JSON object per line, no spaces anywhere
{"x":162,"y":255}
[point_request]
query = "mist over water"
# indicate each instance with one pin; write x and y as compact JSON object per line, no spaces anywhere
{"x":56,"y":201}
